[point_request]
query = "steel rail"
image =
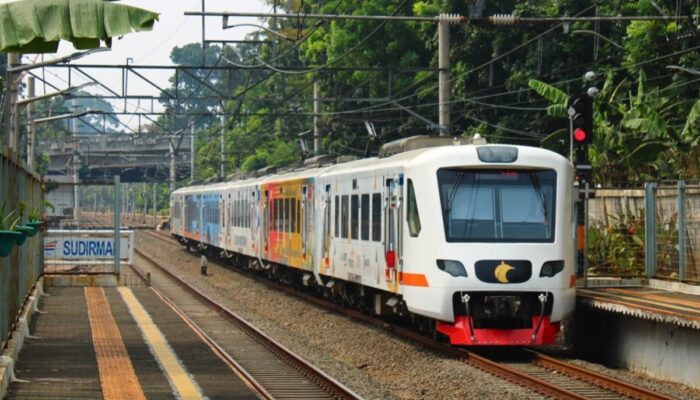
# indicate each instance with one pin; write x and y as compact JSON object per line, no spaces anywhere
{"x":335,"y":388}
{"x":494,"y":368}
{"x":221,"y":353}
{"x":596,"y":378}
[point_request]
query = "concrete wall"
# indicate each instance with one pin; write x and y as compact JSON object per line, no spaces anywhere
{"x":657,"y":349}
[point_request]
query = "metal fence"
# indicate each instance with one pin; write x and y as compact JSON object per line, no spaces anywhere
{"x":83,"y":238}
{"x":20,"y":193}
{"x":646,"y":232}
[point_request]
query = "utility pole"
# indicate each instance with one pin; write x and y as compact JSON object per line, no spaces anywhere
{"x":317,"y":119}
{"x":444,"y":76}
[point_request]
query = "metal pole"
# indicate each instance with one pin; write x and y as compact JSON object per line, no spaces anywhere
{"x":222,"y":171}
{"x":117,"y":224}
{"x":31,"y":137}
{"x":145,"y":203}
{"x":13,"y":125}
{"x":204,"y":42}
{"x":155,"y":205}
{"x":444,"y":77}
{"x":317,"y":120}
{"x":585,"y":233}
{"x":173,"y":172}
{"x":650,"y":228}
{"x":681,"y":230}
{"x":192,"y":152}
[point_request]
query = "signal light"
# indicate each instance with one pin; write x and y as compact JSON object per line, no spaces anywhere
{"x":581,"y":112}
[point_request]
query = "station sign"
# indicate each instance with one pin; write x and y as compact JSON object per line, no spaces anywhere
{"x":82,"y":247}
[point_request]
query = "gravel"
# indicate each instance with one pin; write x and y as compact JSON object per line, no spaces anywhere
{"x":373,"y":363}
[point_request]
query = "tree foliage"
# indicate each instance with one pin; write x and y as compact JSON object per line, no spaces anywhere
{"x":511,"y":84}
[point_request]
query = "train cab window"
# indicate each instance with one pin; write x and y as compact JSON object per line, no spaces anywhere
{"x":376,"y":217}
{"x":354,"y":216}
{"x":344,"y":216}
{"x":498,"y":205}
{"x":364,"y":217}
{"x":337,"y":216}
{"x":412,"y":216}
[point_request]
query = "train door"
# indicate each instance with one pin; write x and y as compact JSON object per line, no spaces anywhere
{"x":392,"y":231}
{"x":265,"y":214}
{"x":224,"y":225}
{"x":304,"y":211}
{"x":326,"y":233}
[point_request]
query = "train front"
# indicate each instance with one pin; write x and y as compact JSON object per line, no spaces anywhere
{"x":498,"y":251}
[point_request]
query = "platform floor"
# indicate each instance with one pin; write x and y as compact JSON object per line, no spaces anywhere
{"x":645,"y":302}
{"x":117,"y":343}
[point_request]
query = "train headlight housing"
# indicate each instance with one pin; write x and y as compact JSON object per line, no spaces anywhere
{"x":551,"y":268}
{"x":452,"y":267}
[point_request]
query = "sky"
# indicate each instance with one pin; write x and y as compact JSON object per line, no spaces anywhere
{"x":153,"y":47}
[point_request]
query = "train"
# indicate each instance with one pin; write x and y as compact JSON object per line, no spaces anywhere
{"x":473,"y":243}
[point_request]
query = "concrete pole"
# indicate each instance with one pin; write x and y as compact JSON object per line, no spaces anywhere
{"x":444,"y":77}
{"x":317,"y":119}
{"x":31,"y":127}
{"x":192,"y":152}
{"x":173,"y":171}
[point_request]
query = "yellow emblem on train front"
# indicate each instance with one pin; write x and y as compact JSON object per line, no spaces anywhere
{"x":501,"y":272}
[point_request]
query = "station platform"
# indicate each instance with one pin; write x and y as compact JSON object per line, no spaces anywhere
{"x":652,"y":327}
{"x":660,"y":301}
{"x":117,"y":343}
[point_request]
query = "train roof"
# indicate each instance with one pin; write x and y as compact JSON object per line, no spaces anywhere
{"x":440,"y":154}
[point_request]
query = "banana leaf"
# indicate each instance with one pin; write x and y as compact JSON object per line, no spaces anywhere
{"x":37,"y":26}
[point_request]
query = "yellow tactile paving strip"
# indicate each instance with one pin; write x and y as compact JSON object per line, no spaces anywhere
{"x":117,"y":374}
{"x":181,"y":381}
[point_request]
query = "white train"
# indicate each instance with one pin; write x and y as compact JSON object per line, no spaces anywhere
{"x":475,"y":242}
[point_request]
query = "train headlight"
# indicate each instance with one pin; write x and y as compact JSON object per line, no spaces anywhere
{"x":452,"y":267}
{"x":551,"y":268}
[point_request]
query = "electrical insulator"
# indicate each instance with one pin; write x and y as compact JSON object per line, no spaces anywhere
{"x":503,"y":19}
{"x":452,"y":19}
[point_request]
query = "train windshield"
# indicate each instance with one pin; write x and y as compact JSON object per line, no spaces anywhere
{"x":498,"y":205}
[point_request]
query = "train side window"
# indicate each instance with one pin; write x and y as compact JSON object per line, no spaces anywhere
{"x":354,"y":216}
{"x":246,"y":213}
{"x":412,"y":216}
{"x":344,"y":216}
{"x":293,"y":226}
{"x":364,"y":217}
{"x":377,"y":217}
{"x":274,"y":210}
{"x":337,"y":218}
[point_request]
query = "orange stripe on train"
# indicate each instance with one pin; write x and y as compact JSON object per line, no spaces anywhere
{"x":409,"y":279}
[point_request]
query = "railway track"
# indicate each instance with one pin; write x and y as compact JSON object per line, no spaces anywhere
{"x":542,"y":374}
{"x":272,"y":370}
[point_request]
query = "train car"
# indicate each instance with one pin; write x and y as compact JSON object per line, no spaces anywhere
{"x":472,"y":242}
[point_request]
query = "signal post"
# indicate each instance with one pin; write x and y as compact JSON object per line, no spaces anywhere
{"x":581,"y":137}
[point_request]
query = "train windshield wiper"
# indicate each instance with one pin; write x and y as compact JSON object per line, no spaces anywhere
{"x":453,"y":192}
{"x":537,"y":186}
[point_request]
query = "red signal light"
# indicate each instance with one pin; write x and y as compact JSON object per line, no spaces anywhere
{"x":580,"y":135}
